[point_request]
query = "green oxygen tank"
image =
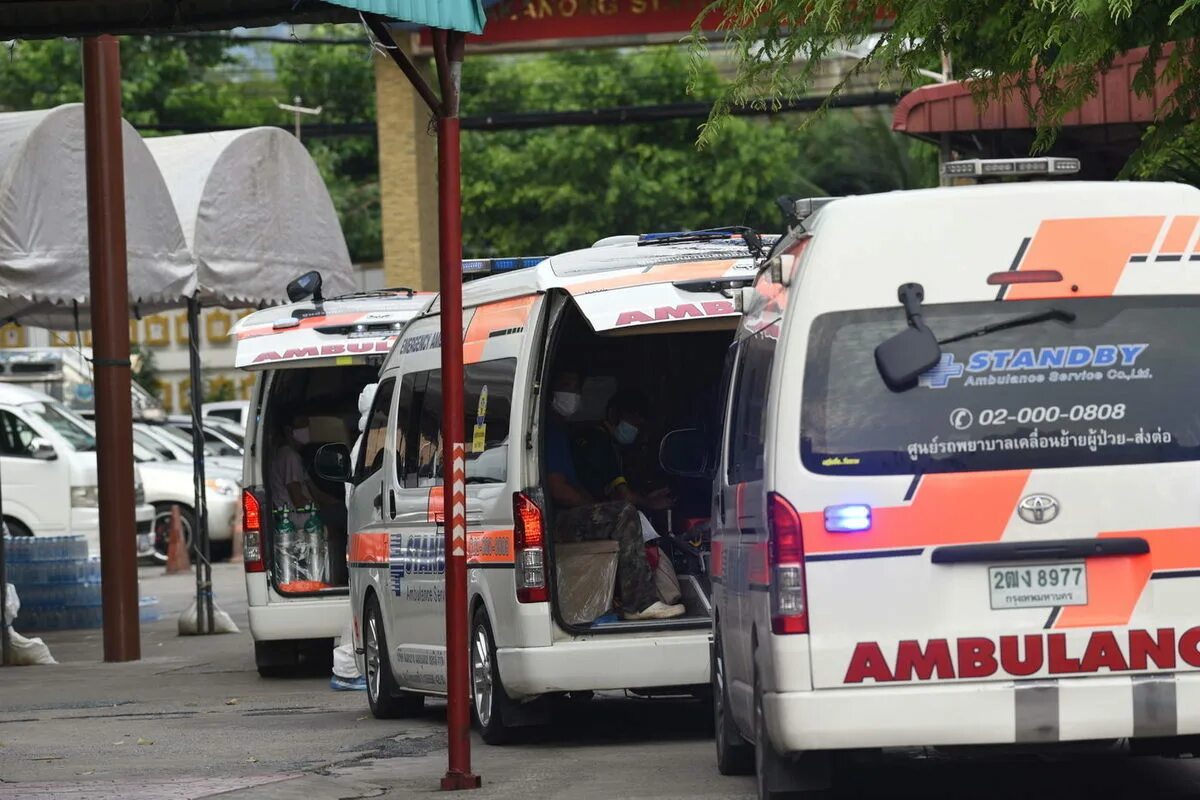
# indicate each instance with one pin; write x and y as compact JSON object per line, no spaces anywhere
{"x":317,"y":545}
{"x":285,"y":560}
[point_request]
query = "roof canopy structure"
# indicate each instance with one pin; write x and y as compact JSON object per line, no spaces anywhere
{"x":255,"y":214}
{"x":32,"y":19}
{"x":43,"y":222}
{"x":1104,"y":131}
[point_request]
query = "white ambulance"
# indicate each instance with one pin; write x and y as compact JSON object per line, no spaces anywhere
{"x":956,"y":500}
{"x":312,"y":359}
{"x":651,"y":313}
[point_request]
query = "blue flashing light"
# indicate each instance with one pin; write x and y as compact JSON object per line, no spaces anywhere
{"x":483,"y":266}
{"x":851,"y":518}
{"x":702,"y":234}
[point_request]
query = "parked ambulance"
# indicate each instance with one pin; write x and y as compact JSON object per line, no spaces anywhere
{"x":956,"y":494}
{"x":313,"y":358}
{"x":652,"y":313}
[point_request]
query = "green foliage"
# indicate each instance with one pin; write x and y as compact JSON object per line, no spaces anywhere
{"x":1048,"y":49}
{"x":552,"y":189}
{"x":341,"y":80}
{"x":145,"y":370}
{"x":219,"y":389}
{"x":163,"y":79}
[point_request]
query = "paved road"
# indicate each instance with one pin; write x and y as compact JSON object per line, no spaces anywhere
{"x":193,"y":719}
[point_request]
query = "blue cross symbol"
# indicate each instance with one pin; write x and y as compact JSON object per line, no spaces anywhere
{"x":939,"y":377}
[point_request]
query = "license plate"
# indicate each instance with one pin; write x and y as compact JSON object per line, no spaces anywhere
{"x":1039,"y":586}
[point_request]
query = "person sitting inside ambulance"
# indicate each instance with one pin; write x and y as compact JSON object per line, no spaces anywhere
{"x":597,"y":452}
{"x":580,"y":518}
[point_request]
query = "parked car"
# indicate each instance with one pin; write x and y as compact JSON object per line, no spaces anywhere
{"x":170,"y":483}
{"x":237,"y":411}
{"x":48,"y":471}
{"x":224,"y":441}
{"x":175,"y":445}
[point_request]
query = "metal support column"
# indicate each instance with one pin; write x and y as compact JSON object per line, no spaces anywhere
{"x":201,"y":551}
{"x":448,"y":51}
{"x":110,"y":333}
{"x":448,"y":48}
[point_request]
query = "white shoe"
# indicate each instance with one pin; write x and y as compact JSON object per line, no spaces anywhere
{"x":657,"y":610}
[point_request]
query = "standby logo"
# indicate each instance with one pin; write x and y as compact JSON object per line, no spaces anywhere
{"x":1039,"y":365}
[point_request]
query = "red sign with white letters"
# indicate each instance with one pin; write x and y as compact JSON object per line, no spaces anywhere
{"x":536,"y":24}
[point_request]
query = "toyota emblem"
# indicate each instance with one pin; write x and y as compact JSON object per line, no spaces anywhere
{"x":1038,"y":508}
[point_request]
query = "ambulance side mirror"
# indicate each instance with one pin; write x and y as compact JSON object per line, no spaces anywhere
{"x":332,"y":463}
{"x":685,"y":452}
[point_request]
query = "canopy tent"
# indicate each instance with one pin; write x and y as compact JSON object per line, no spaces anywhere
{"x":26,"y":19}
{"x":105,"y":178}
{"x":255,"y":213}
{"x":43,"y":222}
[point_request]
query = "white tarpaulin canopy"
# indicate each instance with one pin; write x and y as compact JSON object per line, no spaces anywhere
{"x":255,"y":213}
{"x":43,"y":222}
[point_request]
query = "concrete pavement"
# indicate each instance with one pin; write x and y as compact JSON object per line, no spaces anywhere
{"x":194,"y":720}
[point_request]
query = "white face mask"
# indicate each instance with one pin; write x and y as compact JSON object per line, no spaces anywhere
{"x":301,"y":435}
{"x":566,"y":403}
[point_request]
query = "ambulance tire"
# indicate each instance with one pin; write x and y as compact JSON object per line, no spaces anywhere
{"x":487,"y":689}
{"x":735,"y":756}
{"x":808,"y":777}
{"x":387,"y":701}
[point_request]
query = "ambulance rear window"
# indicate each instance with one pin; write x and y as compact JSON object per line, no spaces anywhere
{"x":1120,"y":384}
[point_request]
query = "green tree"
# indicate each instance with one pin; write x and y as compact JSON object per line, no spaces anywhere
{"x":145,"y":371}
{"x":1048,"y":49}
{"x":551,"y":189}
{"x":163,"y":79}
{"x":341,"y":80}
{"x":219,"y":390}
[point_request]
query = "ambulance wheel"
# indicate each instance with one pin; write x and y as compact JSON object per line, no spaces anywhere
{"x":809,"y":776}
{"x":387,"y":701}
{"x":734,"y":755}
{"x":489,"y":701}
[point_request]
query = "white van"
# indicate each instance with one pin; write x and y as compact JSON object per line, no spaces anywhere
{"x":966,"y":516}
{"x":652,"y":314}
{"x":48,"y":469}
{"x":237,"y":411}
{"x":313,"y":360}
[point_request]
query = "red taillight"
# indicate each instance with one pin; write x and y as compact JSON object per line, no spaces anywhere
{"x":789,"y":602}
{"x":252,"y":536}
{"x":529,"y":542}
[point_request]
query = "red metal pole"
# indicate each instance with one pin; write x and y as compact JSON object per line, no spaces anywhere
{"x":458,"y":712}
{"x":110,"y":331}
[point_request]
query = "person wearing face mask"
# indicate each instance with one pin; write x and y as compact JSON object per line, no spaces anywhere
{"x":598,"y":450}
{"x":581,"y":516}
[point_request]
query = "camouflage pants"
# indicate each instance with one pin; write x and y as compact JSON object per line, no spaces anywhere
{"x":617,"y":521}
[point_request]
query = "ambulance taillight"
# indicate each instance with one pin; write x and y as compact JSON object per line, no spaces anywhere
{"x":785,"y":552}
{"x":529,"y":542}
{"x":252,"y":543}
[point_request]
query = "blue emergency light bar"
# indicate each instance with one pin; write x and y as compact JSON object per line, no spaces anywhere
{"x":476,"y":267}
{"x":678,"y":236}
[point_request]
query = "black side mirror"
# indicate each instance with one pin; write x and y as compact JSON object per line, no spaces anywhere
{"x":307,"y":285}
{"x":685,"y":452}
{"x":903,"y":357}
{"x":332,"y":462}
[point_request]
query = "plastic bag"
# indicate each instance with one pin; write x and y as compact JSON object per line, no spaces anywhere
{"x":27,"y":652}
{"x":666,"y":582}
{"x":189,"y":624}
{"x":344,"y":664}
{"x":587,"y":578}
{"x":12,"y":603}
